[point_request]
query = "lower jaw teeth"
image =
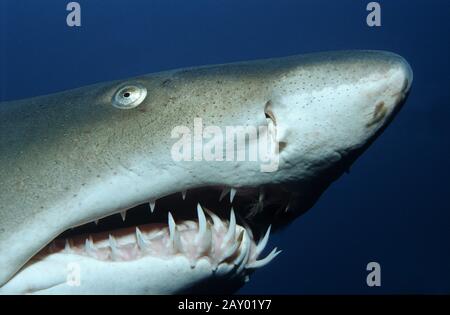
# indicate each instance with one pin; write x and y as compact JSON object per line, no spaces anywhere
{"x":211,"y":238}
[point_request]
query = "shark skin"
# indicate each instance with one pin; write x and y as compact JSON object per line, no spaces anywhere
{"x":71,"y":158}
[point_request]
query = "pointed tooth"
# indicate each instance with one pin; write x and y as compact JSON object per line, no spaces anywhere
{"x":260,"y":263}
{"x":231,"y":250}
{"x":140,"y":239}
{"x":204,"y":236}
{"x":174,"y":234}
{"x":183,"y":194}
{"x":229,"y":237}
{"x":89,"y":246}
{"x":261,"y":195}
{"x":96,"y":222}
{"x":232,"y":194}
{"x":262,"y":243}
{"x":246,"y":256}
{"x":218,"y":224}
{"x":243,"y":253}
{"x":288,"y":206}
{"x":171,"y":223}
{"x":152,"y":204}
{"x":224,"y":192}
{"x":112,"y":242}
{"x":155,"y":235}
{"x":123,"y":214}
{"x":201,"y":220}
{"x":113,"y":245}
{"x":67,"y":247}
{"x":245,"y":225}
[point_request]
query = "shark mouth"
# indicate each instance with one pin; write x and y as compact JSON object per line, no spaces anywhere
{"x":222,"y":225}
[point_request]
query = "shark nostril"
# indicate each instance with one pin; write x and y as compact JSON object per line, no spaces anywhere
{"x":269,"y":113}
{"x":272,"y":121}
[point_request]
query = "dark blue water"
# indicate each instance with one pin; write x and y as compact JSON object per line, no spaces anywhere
{"x":393,"y":208}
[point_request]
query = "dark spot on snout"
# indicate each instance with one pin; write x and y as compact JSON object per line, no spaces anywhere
{"x":378,"y":109}
{"x":378,"y":114}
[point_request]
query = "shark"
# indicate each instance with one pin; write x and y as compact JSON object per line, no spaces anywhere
{"x":92,"y":200}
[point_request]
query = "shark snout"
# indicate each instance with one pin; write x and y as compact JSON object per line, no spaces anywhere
{"x":402,"y":74}
{"x":389,"y":90}
{"x":408,"y":75}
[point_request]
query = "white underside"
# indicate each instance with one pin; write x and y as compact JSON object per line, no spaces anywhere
{"x":75,"y":274}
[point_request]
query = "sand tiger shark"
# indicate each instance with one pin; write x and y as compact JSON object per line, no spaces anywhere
{"x":92,"y":201}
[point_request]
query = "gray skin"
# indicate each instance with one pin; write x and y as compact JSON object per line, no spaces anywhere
{"x":71,"y":157}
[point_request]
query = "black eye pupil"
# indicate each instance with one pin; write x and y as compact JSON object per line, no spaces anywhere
{"x":126,"y":94}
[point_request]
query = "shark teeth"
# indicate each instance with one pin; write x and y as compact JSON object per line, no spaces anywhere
{"x":261,"y":263}
{"x":224,"y":192}
{"x":123,"y":214}
{"x":217,"y":222}
{"x":261,"y":196}
{"x":142,"y":243}
{"x":204,"y":235}
{"x":90,"y":247}
{"x":175,"y":240}
{"x":232,"y":194}
{"x":152,"y":204}
{"x":232,"y":249}
{"x":244,"y":252}
{"x":229,"y":237}
{"x":262,"y":243}
{"x":67,"y":247}
{"x":115,"y":253}
{"x":210,"y":237}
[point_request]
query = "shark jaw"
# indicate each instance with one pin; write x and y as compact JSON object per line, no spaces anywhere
{"x":84,"y":155}
{"x":204,"y":244}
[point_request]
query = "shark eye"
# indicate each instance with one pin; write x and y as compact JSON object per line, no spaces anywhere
{"x":129,"y":96}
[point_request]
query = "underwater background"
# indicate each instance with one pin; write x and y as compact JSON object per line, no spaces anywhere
{"x":393,"y":207}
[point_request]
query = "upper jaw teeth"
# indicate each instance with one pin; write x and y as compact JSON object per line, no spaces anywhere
{"x":152,"y":202}
{"x":225,"y":191}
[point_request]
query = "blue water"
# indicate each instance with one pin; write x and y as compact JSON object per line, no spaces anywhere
{"x":393,"y":208}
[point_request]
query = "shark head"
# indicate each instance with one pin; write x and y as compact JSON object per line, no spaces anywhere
{"x":171,"y":182}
